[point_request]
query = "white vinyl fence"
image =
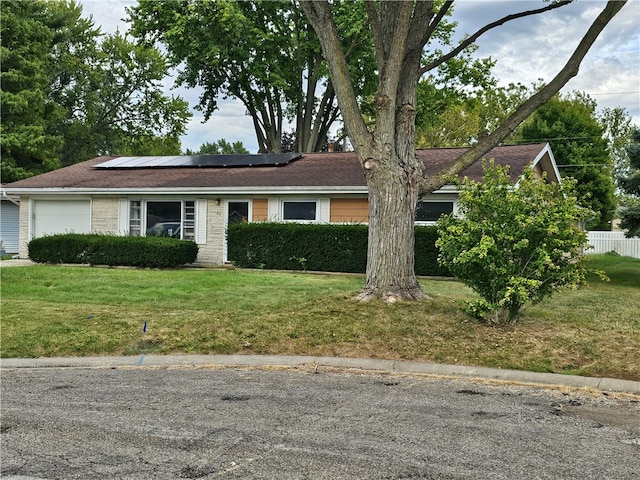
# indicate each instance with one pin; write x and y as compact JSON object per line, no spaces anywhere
{"x":604,"y":242}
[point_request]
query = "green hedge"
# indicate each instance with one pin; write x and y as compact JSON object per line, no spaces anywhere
{"x":295,"y":246}
{"x":148,"y":252}
{"x":427,"y":253}
{"x":323,"y":247}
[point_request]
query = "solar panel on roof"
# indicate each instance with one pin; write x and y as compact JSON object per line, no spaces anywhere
{"x":186,"y":161}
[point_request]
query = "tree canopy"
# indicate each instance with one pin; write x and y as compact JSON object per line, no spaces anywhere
{"x":457,"y":117}
{"x":221,"y":147}
{"x":117,"y":101}
{"x":578,"y":142}
{"x":630,"y":183}
{"x":263,"y":53}
{"x":70,"y":93}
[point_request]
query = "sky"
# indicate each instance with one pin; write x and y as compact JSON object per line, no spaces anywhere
{"x":526,"y":50}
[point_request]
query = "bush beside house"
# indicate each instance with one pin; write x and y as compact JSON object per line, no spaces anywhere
{"x":146,"y":252}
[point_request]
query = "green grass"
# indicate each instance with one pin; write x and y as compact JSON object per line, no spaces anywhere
{"x":81,"y":311}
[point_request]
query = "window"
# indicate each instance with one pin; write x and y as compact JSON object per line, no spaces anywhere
{"x":164,"y":219}
{"x":189,"y":220}
{"x":135,"y":219}
{"x":299,"y":210}
{"x":432,"y":211}
{"x":238,"y":212}
{"x":175,"y":219}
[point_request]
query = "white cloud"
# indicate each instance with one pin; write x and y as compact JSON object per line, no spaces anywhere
{"x":538,"y":47}
{"x":108,"y":14}
{"x":229,"y":122}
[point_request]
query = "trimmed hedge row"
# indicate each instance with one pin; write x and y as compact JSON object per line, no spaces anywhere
{"x":324,"y":247}
{"x":295,"y":246}
{"x":95,"y":249}
{"x":426,"y":253}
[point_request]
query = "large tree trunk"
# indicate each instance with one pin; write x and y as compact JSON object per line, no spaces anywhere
{"x":393,"y":195}
{"x":394,"y":179}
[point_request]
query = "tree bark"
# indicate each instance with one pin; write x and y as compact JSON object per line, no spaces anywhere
{"x":393,"y":196}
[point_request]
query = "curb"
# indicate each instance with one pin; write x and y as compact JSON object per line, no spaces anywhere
{"x":390,"y":366}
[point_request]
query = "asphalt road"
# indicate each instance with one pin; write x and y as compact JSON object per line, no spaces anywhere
{"x":243,"y":423}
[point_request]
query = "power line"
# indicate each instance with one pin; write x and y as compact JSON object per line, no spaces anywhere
{"x":612,"y":93}
{"x":557,"y":139}
{"x":585,"y":165}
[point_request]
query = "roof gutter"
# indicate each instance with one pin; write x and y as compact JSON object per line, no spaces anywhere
{"x":6,"y":196}
{"x":188,"y":190}
{"x":279,"y":190}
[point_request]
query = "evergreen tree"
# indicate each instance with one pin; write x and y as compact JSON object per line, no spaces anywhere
{"x":631,"y":185}
{"x":581,"y":150}
{"x":26,"y":144}
{"x":69,"y":95}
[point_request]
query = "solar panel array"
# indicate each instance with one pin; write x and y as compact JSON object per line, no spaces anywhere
{"x":203,"y":161}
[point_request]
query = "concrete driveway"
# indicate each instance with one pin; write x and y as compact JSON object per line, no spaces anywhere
{"x":306,"y":423}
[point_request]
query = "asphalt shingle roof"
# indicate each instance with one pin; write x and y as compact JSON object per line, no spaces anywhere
{"x":335,"y":169}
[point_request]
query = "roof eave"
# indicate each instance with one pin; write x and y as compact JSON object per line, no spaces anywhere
{"x":186,"y":190}
{"x":546,"y":150}
{"x":263,"y":190}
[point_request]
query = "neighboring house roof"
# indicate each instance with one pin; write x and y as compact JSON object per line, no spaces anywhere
{"x":330,"y":172}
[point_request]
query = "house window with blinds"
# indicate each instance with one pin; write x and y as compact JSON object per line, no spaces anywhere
{"x":164,"y":218}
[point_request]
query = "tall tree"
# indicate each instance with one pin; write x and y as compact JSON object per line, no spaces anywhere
{"x":26,"y":143}
{"x":630,"y":183}
{"x":114,"y":99}
{"x":570,"y":125}
{"x":68,"y":94}
{"x":263,"y":53}
{"x":395,"y":178}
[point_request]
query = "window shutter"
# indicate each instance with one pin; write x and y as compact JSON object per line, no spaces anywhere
{"x":123,"y":216}
{"x":324,"y":209}
{"x":201,"y":221}
{"x":273,"y":213}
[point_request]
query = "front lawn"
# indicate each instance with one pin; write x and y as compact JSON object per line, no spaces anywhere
{"x":80,"y":311}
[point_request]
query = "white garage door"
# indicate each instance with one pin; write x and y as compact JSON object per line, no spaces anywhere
{"x":61,"y":216}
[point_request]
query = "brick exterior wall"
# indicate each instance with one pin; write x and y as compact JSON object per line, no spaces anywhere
{"x":104,"y":215}
{"x":211,"y":252}
{"x":23,"y":233}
